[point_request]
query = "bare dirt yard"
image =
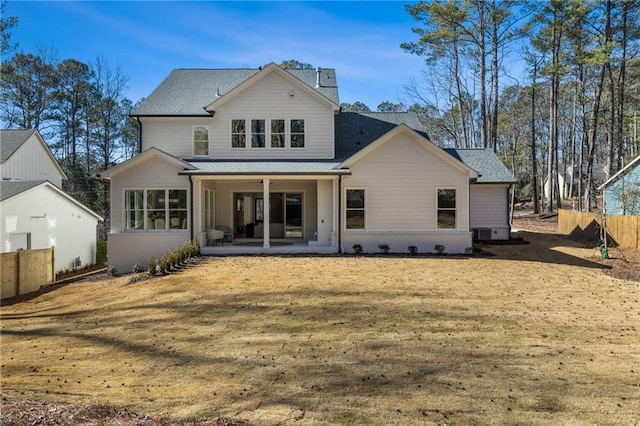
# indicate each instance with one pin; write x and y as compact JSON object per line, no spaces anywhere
{"x":533,"y":332}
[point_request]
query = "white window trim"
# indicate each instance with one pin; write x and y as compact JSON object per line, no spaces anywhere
{"x":437,"y":208}
{"x":287,"y":133}
{"x":144,"y":204}
{"x":344,"y":210}
{"x":193,"y":140}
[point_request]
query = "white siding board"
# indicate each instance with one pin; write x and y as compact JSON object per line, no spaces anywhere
{"x":489,"y":209}
{"x":401,"y":178}
{"x":31,"y":162}
{"x":267,"y":99}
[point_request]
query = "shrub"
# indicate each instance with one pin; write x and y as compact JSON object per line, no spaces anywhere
{"x":384,"y":248}
{"x":357,"y":248}
{"x":101,"y":252}
{"x":438,"y":248}
{"x":113,"y":271}
{"x":138,"y":268}
{"x":152,"y":266}
{"x":413,"y":250}
{"x":468,"y":250}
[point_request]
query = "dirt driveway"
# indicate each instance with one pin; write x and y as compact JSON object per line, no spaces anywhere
{"x":534,"y":333}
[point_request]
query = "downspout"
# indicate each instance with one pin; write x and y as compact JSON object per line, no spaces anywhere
{"x":339,"y":214}
{"x":139,"y":135}
{"x":191,"y":207}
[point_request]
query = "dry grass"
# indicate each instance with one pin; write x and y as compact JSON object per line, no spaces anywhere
{"x":536,"y":334}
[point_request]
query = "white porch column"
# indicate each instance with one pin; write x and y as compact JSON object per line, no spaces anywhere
{"x":266,"y":215}
{"x":336,"y":213}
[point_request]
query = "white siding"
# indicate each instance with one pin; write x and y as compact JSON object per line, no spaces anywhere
{"x":52,"y":220}
{"x":401,"y":179}
{"x":153,"y":173}
{"x":31,"y":162}
{"x":489,"y":209}
{"x":267,"y":99}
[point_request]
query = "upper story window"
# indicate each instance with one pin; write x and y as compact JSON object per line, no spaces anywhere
{"x":297,"y":133}
{"x":258,"y":133}
{"x":200,"y":140}
{"x":238,"y":133}
{"x":278,"y":135}
{"x":446,"y":209}
{"x":279,"y":132}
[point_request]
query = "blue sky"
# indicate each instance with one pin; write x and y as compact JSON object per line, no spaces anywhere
{"x":147,"y":39}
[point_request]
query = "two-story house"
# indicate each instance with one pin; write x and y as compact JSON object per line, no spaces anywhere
{"x":35,"y":212}
{"x":267,"y":155}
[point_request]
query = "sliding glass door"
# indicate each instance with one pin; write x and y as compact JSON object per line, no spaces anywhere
{"x":293,"y":215}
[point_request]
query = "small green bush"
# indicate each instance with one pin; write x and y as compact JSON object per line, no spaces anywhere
{"x":413,"y":250}
{"x":357,"y":248}
{"x":101,"y":252}
{"x":439,"y":248}
{"x":384,"y":248}
{"x":138,"y":268}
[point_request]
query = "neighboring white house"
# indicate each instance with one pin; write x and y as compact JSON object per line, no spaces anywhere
{"x":267,"y":154}
{"x":34,"y":211}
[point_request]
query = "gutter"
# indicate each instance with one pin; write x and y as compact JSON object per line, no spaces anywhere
{"x":139,"y":134}
{"x":340,"y":214}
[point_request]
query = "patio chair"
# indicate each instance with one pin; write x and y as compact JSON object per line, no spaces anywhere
{"x":213,"y":236}
{"x":228,"y":233}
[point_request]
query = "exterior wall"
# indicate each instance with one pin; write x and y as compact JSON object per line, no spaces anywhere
{"x":490,"y":209}
{"x":629,"y":185}
{"x":267,"y":99}
{"x":153,"y":173}
{"x":325,"y":205}
{"x":126,"y":248}
{"x":401,"y":179}
{"x":31,"y":162}
{"x":52,"y":220}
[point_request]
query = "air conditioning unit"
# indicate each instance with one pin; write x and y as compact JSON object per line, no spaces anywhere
{"x":482,"y":234}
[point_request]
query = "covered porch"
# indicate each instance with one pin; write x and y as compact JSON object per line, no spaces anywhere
{"x":266,"y":214}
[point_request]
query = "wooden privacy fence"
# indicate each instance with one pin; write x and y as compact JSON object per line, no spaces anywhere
{"x":25,"y":271}
{"x":623,"y":231}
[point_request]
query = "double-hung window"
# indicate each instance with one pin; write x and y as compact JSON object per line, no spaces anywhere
{"x":278,"y":135}
{"x":258,"y":133}
{"x":238,"y":133}
{"x":297,"y":133}
{"x":200,"y":140}
{"x":155,"y":209}
{"x":355,"y":209}
{"x":446,"y":208}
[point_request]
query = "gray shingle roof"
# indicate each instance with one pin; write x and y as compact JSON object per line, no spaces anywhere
{"x":486,"y":163}
{"x":185,"y":92}
{"x":11,"y":140}
{"x":10,"y":188}
{"x":354,"y":131}
{"x":264,"y":167}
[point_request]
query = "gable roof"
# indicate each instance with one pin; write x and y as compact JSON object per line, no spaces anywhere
{"x":147,"y":154}
{"x":12,"y":188}
{"x":489,"y":167}
{"x":186,"y":92}
{"x":432,"y":148}
{"x":356,"y":130}
{"x":12,"y":139}
{"x":635,"y":162}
